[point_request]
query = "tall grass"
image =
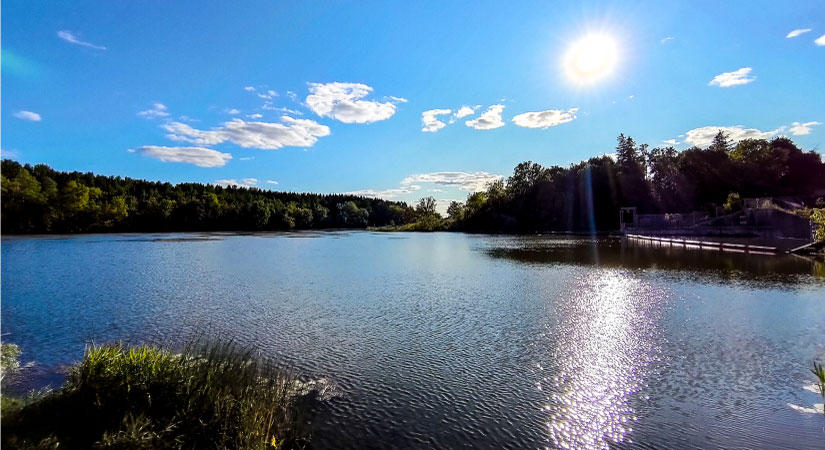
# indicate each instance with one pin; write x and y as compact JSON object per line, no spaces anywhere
{"x":217,"y":395}
{"x":819,"y":373}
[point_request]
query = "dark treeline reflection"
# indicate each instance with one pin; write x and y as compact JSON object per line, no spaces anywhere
{"x":694,"y":264}
{"x":587,"y":196}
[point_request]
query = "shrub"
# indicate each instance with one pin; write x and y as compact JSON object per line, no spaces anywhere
{"x":207,"y":396}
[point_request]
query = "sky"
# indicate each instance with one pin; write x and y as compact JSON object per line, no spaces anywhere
{"x":398,"y":100}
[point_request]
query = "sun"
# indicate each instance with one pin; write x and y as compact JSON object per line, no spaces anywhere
{"x":591,"y":58}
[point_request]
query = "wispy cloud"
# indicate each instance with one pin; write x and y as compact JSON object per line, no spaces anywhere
{"x":386,"y":193}
{"x":734,"y":78}
{"x":246,"y":182}
{"x":430,"y":120}
{"x":73,"y":38}
{"x":157,"y":110}
{"x":820,"y":40}
{"x":466,"y":181}
{"x":545,"y":119}
{"x":801,"y":129}
{"x":249,"y":88}
{"x":254,"y":116}
{"x":488,"y":120}
{"x":269,"y":107}
{"x":271,"y":182}
{"x":671,"y":142}
{"x":268,"y":95}
{"x":263,"y":135}
{"x":666,"y":40}
{"x":703,"y":137}
{"x":344,"y":102}
{"x":199,"y":156}
{"x":233,"y":111}
{"x":246,"y":158}
{"x":798,"y":32}
{"x":28,"y":115}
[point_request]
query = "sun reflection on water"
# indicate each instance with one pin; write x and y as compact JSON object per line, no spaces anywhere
{"x":605,"y":345}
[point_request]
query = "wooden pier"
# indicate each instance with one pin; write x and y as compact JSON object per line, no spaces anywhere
{"x":707,"y":245}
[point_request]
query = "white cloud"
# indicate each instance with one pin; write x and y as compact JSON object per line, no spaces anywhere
{"x":703,"y":137}
{"x":435,"y":190}
{"x":249,"y":89}
{"x":254,"y":116}
{"x":545,"y":119}
{"x":157,"y":110}
{"x":671,"y":142}
{"x":343,"y":102}
{"x":199,"y":156}
{"x":246,"y":158}
{"x":27,"y":115}
{"x":430,"y":121}
{"x":233,"y":111}
{"x":820,"y":40}
{"x":263,"y":135}
{"x":734,"y":78}
{"x":666,"y":40}
{"x":271,"y":182}
{"x":488,"y":120}
{"x":465,"y":111}
{"x":269,"y":107}
{"x":398,"y":99}
{"x":798,"y":32}
{"x":268,"y":95}
{"x":466,"y":181}
{"x":72,"y":38}
{"x":801,"y":129}
{"x":246,"y":182}
{"x":386,"y":193}
{"x":9,"y":153}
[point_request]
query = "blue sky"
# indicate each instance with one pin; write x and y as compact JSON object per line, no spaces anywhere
{"x":180,"y":91}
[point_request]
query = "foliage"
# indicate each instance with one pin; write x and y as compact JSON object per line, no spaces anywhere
{"x":37,"y":199}
{"x":819,"y":373}
{"x":733,"y":203}
{"x":9,"y":359}
{"x":211,"y":396}
{"x":818,"y":218}
{"x":587,"y":196}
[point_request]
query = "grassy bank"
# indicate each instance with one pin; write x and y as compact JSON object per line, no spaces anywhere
{"x":207,"y":396}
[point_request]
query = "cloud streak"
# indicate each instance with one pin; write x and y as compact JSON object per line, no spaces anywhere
{"x":545,"y":119}
{"x":802,"y":129}
{"x":72,"y":38}
{"x":798,"y":32}
{"x":157,"y":110}
{"x":262,"y":135}
{"x":199,"y":156}
{"x":466,"y":181}
{"x":28,"y":115}
{"x":735,"y":78}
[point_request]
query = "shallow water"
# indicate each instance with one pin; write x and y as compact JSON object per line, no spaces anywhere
{"x":457,"y":341}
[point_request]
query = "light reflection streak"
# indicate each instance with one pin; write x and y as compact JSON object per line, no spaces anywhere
{"x":606,"y":343}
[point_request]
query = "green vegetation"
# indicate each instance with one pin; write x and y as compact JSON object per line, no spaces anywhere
{"x":583,"y":197}
{"x":587,"y":196}
{"x":213,"y":396}
{"x":9,"y":359}
{"x":37,"y":199}
{"x":819,"y":373}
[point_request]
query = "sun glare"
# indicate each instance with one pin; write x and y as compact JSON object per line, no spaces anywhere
{"x":591,"y":58}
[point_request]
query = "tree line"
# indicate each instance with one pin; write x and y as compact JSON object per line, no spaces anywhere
{"x":38,"y":199}
{"x":582,"y":197}
{"x":588,"y":196}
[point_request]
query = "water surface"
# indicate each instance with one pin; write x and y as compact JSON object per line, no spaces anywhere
{"x":457,"y":341}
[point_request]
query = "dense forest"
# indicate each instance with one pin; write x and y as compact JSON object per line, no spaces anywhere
{"x":583,"y":197}
{"x":587,"y":196}
{"x":41,"y":200}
